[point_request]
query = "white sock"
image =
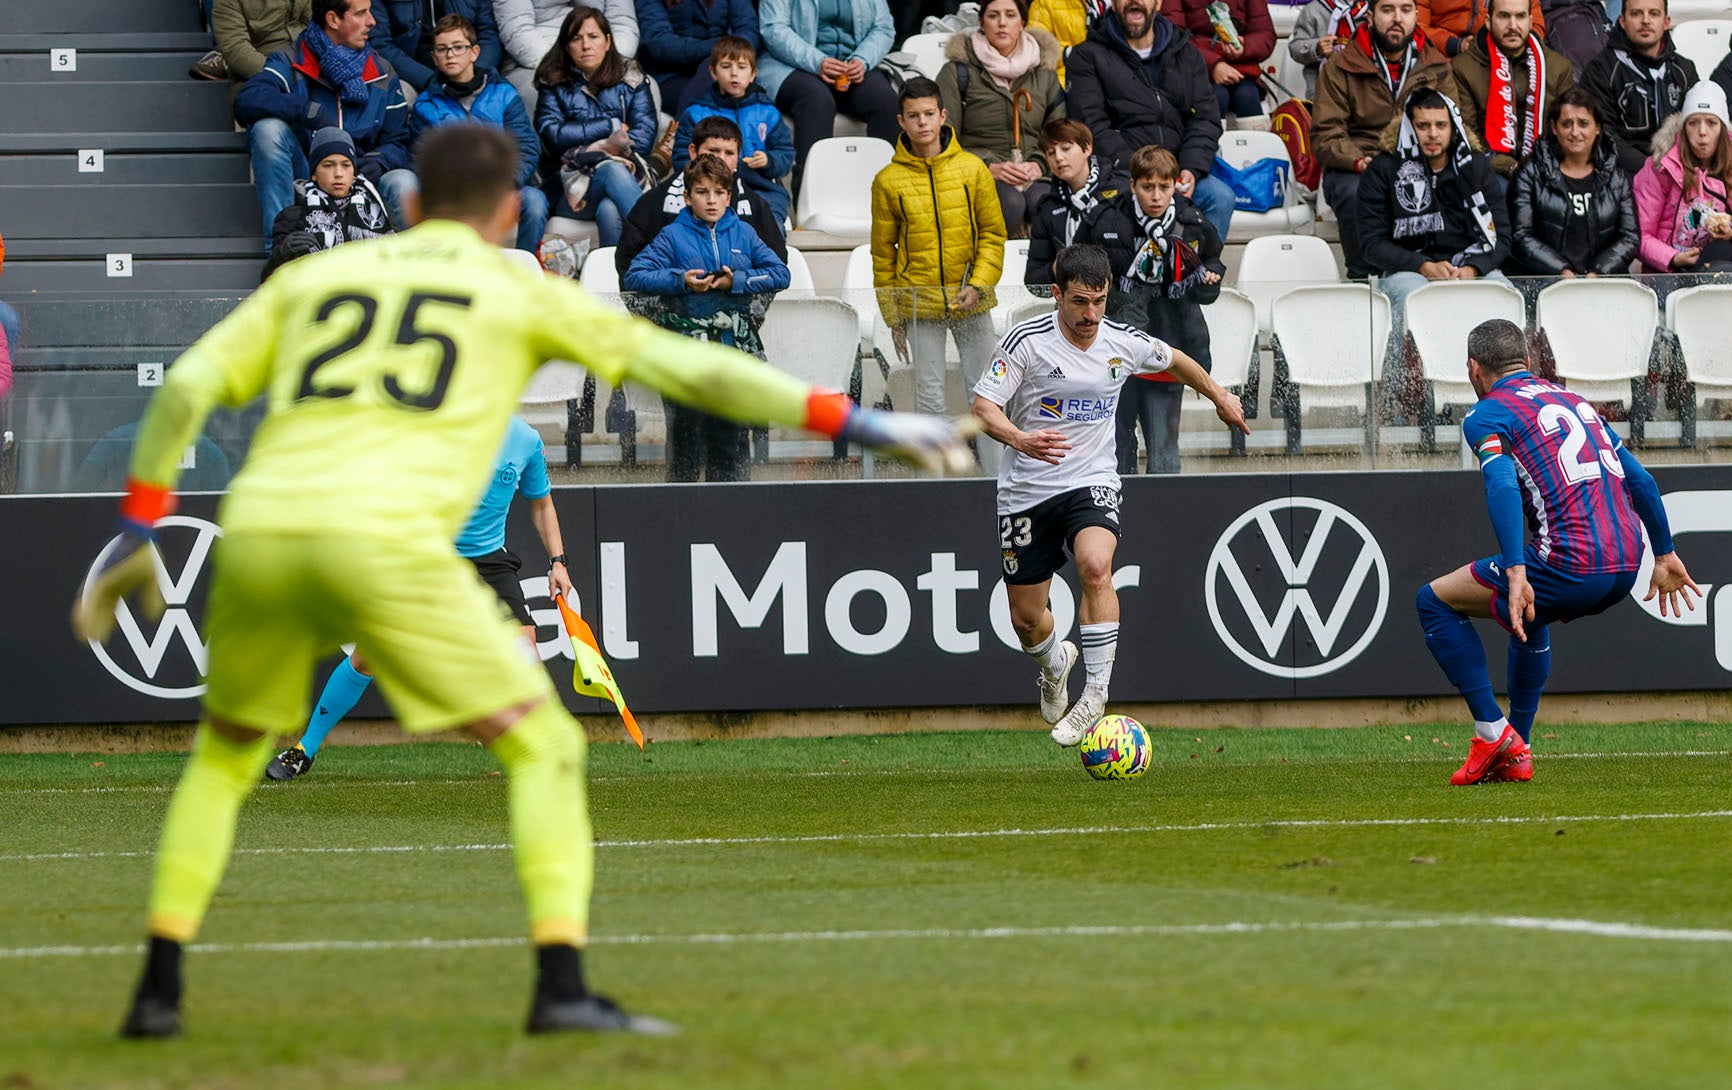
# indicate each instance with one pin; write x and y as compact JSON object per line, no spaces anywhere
{"x":1490,"y":732}
{"x":1100,"y":644}
{"x":1049,"y":653}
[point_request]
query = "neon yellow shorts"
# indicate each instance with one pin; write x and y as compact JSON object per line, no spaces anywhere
{"x":430,"y":631}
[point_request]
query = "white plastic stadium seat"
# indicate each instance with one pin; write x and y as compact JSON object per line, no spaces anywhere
{"x":1688,"y":11}
{"x":599,"y":277}
{"x":1601,"y":333}
{"x":1276,"y":264}
{"x":1440,"y":315}
{"x":1242,"y":147}
{"x":812,"y":339}
{"x":799,"y":273}
{"x":857,"y":289}
{"x":1325,"y":367}
{"x":927,"y":51}
{"x":1011,"y":293}
{"x":1232,"y":322}
{"x":836,"y":190}
{"x":1705,"y":41}
{"x":1697,"y":317}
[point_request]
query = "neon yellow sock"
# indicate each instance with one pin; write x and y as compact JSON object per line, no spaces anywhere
{"x":199,"y":831}
{"x":543,"y":754}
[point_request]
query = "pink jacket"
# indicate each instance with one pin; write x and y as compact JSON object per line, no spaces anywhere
{"x":5,"y":366}
{"x":1659,"y":188}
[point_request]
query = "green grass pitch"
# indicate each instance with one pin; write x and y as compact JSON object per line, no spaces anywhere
{"x":1263,"y":909}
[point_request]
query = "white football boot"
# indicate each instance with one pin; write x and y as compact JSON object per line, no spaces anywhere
{"x":1055,"y":691}
{"x":1088,"y":709}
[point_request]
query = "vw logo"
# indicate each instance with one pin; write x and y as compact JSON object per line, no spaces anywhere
{"x":147,"y":655}
{"x":1260,"y":538}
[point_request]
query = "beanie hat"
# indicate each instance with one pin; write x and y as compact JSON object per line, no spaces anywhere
{"x":1707,"y":97}
{"x":332,"y":140}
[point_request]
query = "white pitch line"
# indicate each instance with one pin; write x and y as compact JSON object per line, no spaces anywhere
{"x":839,"y":773}
{"x":957,"y":834}
{"x":1596,"y":928}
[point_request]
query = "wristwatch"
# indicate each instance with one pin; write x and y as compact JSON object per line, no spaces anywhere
{"x":560,"y":559}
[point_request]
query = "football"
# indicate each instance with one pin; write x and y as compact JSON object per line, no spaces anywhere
{"x":1116,"y":748}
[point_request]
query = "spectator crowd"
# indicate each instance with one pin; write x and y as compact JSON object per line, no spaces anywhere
{"x":1456,"y":139}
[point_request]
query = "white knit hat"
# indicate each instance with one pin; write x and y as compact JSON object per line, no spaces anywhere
{"x":1707,"y":97}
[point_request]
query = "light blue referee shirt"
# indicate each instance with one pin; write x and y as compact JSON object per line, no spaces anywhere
{"x":520,"y":471}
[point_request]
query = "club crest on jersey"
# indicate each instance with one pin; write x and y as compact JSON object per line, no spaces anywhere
{"x":1115,"y":367}
{"x":1490,"y":447}
{"x":1051,"y":408}
{"x":1009,"y":561}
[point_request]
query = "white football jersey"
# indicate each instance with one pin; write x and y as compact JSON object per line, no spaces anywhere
{"x":1042,"y":381}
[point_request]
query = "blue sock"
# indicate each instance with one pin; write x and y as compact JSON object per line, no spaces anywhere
{"x":1530,"y":664}
{"x":1456,"y":647}
{"x":341,"y":695}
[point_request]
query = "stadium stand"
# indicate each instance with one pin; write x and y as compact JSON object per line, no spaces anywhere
{"x":1275,"y":264}
{"x":1696,"y":319}
{"x":836,"y":189}
{"x":172,"y":190}
{"x":1232,"y":321}
{"x":1704,"y":41}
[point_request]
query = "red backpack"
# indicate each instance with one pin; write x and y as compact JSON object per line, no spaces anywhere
{"x":1291,"y":121}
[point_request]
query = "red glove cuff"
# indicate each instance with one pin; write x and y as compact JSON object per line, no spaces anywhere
{"x":827,"y":412}
{"x":146,"y":503}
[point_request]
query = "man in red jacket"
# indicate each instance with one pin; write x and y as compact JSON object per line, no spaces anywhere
{"x":1450,"y":23}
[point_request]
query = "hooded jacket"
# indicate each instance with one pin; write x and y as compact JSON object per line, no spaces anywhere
{"x":1540,"y":213}
{"x":529,"y":28}
{"x":1109,"y":90}
{"x":1473,"y":78}
{"x":496,"y":103}
{"x":1066,"y":20}
{"x":401,"y":27}
{"x":689,"y":243}
{"x":761,"y":129}
{"x":1046,"y":230}
{"x":1354,"y":104}
{"x":936,"y":226}
{"x":1636,"y":92}
{"x":1387,"y":188}
{"x":1661,"y":211}
{"x":1250,"y":18}
{"x":572,"y":115}
{"x":677,"y":35}
{"x":292,"y":89}
{"x":662,"y":205}
{"x":981,"y":112}
{"x":1450,"y":23}
{"x":1175,"y":319}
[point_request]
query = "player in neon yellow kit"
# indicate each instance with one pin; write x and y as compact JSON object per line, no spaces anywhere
{"x":391,"y":369}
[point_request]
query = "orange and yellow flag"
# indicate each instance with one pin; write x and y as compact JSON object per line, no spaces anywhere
{"x":591,"y":676}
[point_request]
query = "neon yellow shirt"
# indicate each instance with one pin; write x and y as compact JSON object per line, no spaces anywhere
{"x":392,"y":367}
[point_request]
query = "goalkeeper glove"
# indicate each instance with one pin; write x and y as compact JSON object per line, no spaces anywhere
{"x":127,"y":567}
{"x":931,"y":442}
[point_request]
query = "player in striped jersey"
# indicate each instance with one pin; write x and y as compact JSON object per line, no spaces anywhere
{"x":1551,"y":465}
{"x":1051,"y":396}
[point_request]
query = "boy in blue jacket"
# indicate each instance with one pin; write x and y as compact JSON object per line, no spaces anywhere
{"x":767,"y":149}
{"x":465,"y":91}
{"x":710,"y":266}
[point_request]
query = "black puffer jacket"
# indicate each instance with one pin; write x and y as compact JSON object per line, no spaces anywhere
{"x":1109,"y":90}
{"x":1112,"y":225}
{"x":1539,"y":208}
{"x":1636,"y":93}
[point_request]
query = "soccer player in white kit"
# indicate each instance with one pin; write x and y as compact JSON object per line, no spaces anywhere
{"x":1051,"y":396}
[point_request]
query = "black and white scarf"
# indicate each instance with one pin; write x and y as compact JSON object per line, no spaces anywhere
{"x":1078,"y":203}
{"x":334,"y":221}
{"x":1164,"y":260}
{"x":1424,"y":217}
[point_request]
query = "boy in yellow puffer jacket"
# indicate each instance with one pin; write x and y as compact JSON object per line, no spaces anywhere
{"x":937,"y":250}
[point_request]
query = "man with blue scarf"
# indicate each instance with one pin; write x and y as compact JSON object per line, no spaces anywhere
{"x":328,"y":77}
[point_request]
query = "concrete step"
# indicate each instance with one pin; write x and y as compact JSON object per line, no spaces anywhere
{"x":129,"y":211}
{"x":143,"y":320}
{"x":132,"y":168}
{"x":95,"y":67}
{"x":55,"y":106}
{"x":199,"y":275}
{"x":224,"y":139}
{"x":101,"y":16}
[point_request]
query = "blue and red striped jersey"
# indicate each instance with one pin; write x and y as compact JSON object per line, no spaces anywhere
{"x":1577,"y":507}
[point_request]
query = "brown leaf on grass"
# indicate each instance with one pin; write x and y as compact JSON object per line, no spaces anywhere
{"x":1445,"y":745}
{"x":1407,"y":738}
{"x":1553,"y":737}
{"x":97,"y":764}
{"x":1080,"y":1062}
{"x":1219,"y":749}
{"x":1314,"y":861}
{"x":1336,"y":888}
{"x":1426,"y":859}
{"x":1558,"y":832}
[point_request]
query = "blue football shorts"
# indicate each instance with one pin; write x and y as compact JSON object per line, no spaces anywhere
{"x":1558,"y":595}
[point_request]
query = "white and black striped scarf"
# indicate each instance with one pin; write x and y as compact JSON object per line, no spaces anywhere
{"x":1078,"y":202}
{"x":1431,"y":219}
{"x":1164,"y":260}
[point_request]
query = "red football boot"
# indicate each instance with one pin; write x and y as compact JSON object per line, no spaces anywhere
{"x":1484,"y":758}
{"x":1518,"y":767}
